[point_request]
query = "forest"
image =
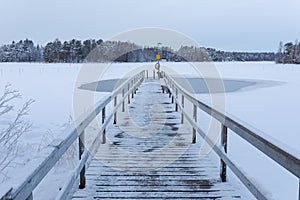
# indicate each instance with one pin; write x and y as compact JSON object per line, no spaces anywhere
{"x":91,"y":50}
{"x":288,"y":53}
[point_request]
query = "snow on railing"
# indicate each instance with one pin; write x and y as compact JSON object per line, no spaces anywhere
{"x":284,"y":156}
{"x":22,"y":185}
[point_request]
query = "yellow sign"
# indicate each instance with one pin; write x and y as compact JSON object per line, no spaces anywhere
{"x":157,"y":56}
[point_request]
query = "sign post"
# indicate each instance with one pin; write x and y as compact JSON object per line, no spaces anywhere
{"x":158,"y":57}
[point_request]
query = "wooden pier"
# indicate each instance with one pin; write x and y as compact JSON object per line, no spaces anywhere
{"x":152,"y":158}
{"x":148,"y":147}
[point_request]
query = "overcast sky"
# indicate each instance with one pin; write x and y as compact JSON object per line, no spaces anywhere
{"x":242,"y":25}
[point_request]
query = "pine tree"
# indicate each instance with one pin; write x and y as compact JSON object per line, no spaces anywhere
{"x":56,"y":50}
{"x":78,"y":51}
{"x":65,"y":55}
{"x":296,"y":52}
{"x":48,"y":53}
{"x":86,"y":48}
{"x":288,"y":53}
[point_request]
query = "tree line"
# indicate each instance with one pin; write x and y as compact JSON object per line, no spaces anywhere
{"x":22,"y":51}
{"x":91,"y":50}
{"x":288,"y":53}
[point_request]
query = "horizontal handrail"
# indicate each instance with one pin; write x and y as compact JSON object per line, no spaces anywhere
{"x":288,"y":159}
{"x":40,"y":167}
{"x":258,"y":192}
{"x":284,"y":156}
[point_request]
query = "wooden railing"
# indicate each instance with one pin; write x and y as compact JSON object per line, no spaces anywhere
{"x":289,"y":159}
{"x":40,"y":166}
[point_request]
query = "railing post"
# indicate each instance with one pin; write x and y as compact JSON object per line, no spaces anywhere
{"x":224,"y":146}
{"x":81,"y":151}
{"x":135,"y":85}
{"x":123,"y":103}
{"x":176,"y":105}
{"x":128,"y":96}
{"x":154,"y":74}
{"x":104,"y":131}
{"x":299,"y":191}
{"x":194,"y":138}
{"x":173,"y":87}
{"x":133,"y":88}
{"x":182,"y":107}
{"x":147,"y":74}
{"x":30,"y":197}
{"x":115,"y":114}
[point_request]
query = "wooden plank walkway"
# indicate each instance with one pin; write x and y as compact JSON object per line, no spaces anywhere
{"x":149,"y":155}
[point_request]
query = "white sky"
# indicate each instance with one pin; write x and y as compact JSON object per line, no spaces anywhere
{"x":243,"y":25}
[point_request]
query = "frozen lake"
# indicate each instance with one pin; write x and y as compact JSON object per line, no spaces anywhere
{"x":264,"y":95}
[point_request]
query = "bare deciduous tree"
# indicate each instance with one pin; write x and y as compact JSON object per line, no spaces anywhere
{"x":14,"y":129}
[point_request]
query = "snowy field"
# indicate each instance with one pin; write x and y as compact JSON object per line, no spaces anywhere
{"x":271,"y":104}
